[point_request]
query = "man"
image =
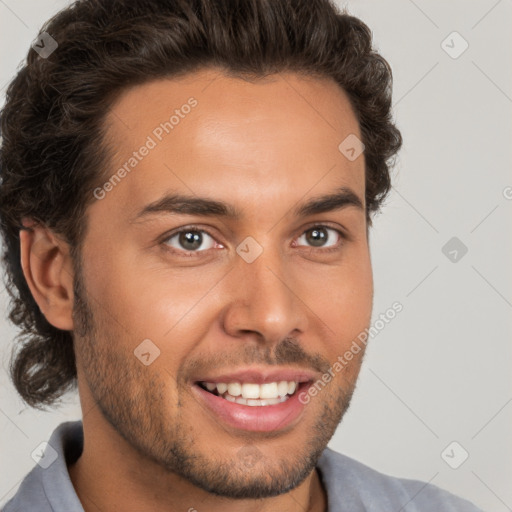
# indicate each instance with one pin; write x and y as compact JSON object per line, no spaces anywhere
{"x":187,"y":191}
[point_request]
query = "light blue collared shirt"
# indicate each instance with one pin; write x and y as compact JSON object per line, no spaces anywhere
{"x":350,"y":485}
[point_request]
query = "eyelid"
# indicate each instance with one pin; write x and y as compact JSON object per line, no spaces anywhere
{"x":337,"y":227}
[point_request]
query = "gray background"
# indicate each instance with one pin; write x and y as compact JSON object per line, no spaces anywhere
{"x":440,"y":371}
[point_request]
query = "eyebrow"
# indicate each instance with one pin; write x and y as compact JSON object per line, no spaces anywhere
{"x":192,"y":205}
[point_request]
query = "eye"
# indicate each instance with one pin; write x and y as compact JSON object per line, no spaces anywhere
{"x":190,"y":240}
{"x":322,"y":236}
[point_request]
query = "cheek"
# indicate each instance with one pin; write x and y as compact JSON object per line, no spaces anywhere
{"x":346,"y":299}
{"x":171,"y":308}
{"x":350,"y":313}
{"x":145,"y":299}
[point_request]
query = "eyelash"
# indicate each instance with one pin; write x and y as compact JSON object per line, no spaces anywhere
{"x":194,"y":228}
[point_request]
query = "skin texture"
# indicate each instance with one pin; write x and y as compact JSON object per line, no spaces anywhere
{"x":263,"y":147}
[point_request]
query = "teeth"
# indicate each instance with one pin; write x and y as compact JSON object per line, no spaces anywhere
{"x":282,"y":388}
{"x":222,"y":388}
{"x":235,"y":388}
{"x":250,"y":390}
{"x":256,"y":402}
{"x":249,"y":393}
{"x":269,"y":390}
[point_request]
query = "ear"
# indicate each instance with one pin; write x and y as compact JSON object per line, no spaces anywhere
{"x":48,"y":270}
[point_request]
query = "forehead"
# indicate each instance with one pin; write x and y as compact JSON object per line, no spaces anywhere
{"x":210,"y":134}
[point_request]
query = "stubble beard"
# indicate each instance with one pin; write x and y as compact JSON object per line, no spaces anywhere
{"x":133,"y":400}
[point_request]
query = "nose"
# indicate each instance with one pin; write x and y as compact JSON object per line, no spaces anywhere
{"x":265,"y":300}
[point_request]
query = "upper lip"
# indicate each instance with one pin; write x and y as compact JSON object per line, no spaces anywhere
{"x":256,"y":376}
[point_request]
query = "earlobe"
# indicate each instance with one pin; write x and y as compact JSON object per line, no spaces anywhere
{"x":47,"y":268}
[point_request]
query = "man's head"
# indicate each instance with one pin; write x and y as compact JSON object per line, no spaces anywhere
{"x":196,"y":205}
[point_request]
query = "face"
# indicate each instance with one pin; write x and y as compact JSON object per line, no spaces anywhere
{"x":203,"y":320}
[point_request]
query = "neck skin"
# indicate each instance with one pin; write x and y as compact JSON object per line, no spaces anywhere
{"x":111,"y":475}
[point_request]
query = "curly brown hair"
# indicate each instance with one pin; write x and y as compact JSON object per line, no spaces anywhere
{"x":52,"y":122}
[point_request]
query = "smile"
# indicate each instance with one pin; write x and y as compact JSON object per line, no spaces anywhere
{"x":252,"y":394}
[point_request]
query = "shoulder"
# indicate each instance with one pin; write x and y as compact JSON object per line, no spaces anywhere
{"x":30,"y":495}
{"x":48,"y":488}
{"x":355,"y":486}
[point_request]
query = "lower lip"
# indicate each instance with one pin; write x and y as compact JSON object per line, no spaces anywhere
{"x":258,"y":418}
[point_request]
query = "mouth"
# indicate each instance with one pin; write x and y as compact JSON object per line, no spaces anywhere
{"x":254,"y":402}
{"x":251,"y":393}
